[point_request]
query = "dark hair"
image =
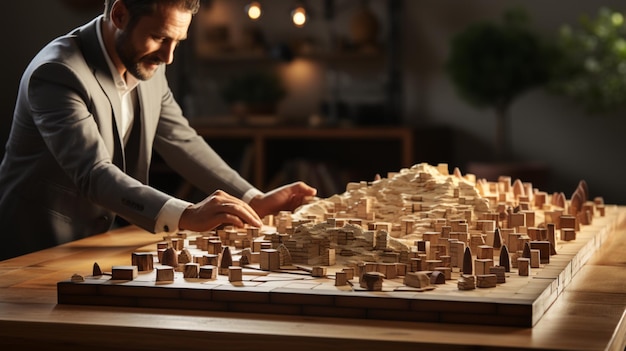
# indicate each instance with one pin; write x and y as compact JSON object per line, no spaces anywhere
{"x":138,"y":8}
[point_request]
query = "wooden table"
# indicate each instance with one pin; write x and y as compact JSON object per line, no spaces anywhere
{"x":589,"y":315}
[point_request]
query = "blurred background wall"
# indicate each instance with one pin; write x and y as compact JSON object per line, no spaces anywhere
{"x":548,"y":129}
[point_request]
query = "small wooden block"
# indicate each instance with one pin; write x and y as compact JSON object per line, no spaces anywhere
{"x":481,"y":266}
{"x":165,"y":274}
{"x":499,"y":272}
{"x":124,"y":272}
{"x":143,"y":260}
{"x":417,"y":280}
{"x":235,"y":274}
{"x":349,"y":273}
{"x":484,"y":252}
{"x":567,"y":222}
{"x":523,"y":266}
{"x":437,"y":277}
{"x":191,"y":270}
{"x":534,"y":258}
{"x":568,"y":234}
{"x":170,"y":257}
{"x":341,"y":278}
{"x":466,"y":282}
{"x":372,"y":281}
{"x":486,"y":281}
{"x":447,"y":272}
{"x":318,"y":271}
{"x":516,"y":220}
{"x":544,"y":248}
{"x":270,"y":260}
{"x":178,"y":244}
{"x":208,"y":272}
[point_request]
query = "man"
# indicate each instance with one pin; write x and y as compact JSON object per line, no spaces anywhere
{"x":91,"y":108}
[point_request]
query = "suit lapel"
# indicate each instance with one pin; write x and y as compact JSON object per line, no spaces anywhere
{"x":140,"y":127}
{"x":90,"y":46}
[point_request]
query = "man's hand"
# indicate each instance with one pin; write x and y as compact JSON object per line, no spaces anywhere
{"x":218,"y":208}
{"x":286,"y":198}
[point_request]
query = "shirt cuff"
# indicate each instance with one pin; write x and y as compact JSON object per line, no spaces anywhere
{"x":251,"y":194}
{"x":169,"y":216}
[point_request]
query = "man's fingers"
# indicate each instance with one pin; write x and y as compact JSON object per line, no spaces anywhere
{"x":243,"y":212}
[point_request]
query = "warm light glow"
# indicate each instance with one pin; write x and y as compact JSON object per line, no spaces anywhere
{"x":298,"y":16}
{"x":254,"y":10}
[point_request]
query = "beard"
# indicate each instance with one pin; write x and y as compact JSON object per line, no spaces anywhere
{"x":137,"y":66}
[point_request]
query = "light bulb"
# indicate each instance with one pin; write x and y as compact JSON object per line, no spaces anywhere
{"x":299,"y":16}
{"x":253,"y":10}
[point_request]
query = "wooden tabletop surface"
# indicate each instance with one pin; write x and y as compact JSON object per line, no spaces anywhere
{"x":589,"y":315}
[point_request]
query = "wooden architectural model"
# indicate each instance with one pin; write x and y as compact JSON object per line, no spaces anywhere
{"x":429,"y":245}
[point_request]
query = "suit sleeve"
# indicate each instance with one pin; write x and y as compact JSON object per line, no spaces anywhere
{"x":190,"y":155}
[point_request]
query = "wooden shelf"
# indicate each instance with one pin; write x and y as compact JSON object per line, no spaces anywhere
{"x":270,"y":156}
{"x":261,"y":137}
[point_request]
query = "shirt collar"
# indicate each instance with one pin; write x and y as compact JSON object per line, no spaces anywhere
{"x":123,"y":86}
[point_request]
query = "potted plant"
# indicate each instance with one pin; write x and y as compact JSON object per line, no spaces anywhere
{"x":491,"y":64}
{"x":592,"y":65}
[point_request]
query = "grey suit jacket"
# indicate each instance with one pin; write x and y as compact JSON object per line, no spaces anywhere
{"x":66,"y":174}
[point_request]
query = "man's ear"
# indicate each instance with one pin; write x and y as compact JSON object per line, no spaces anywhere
{"x":119,"y":14}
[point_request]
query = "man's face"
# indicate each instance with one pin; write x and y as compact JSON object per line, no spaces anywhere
{"x":152,"y":40}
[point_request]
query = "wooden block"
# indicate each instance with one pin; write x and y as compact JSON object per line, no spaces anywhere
{"x":178,"y":244}
{"x":567,"y":222}
{"x":499,"y":272}
{"x":235,"y":274}
{"x":544,"y":248}
{"x":143,"y":260}
{"x":481,"y":266}
{"x":214,"y":247}
{"x":457,"y":249}
{"x":170,"y":257}
{"x":486,"y":280}
{"x":417,"y":279}
{"x":466,"y":282}
{"x":514,"y":242}
{"x":437,"y":277}
{"x":270,"y":260}
{"x":372,"y":281}
{"x":318,"y":271}
{"x":568,"y":234}
{"x":432,"y":237}
{"x":202,"y":242}
{"x":124,"y":272}
{"x":208,"y":272}
{"x":415,"y":264}
{"x":401,"y":269}
{"x":388,"y":269}
{"x":165,"y":274}
{"x":431,"y":264}
{"x":191,"y":270}
{"x":534,"y":258}
{"x":523,"y":266}
{"x":341,"y":278}
{"x":210,"y":259}
{"x":484,"y":252}
{"x":349,"y":272}
{"x":184,"y":256}
{"x":515,"y":220}
{"x":447,"y":272}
